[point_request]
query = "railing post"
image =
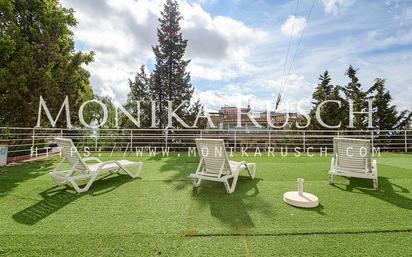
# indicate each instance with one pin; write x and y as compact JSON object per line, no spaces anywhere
{"x":131,"y":140}
{"x":95,"y":143}
{"x":333,"y":144}
{"x":372,"y":141}
{"x":166,"y":136}
{"x":32,"y":140}
{"x":406,"y":141}
{"x":304,"y":141}
{"x":235,"y":141}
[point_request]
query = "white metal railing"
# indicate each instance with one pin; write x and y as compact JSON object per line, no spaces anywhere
{"x":22,"y":141}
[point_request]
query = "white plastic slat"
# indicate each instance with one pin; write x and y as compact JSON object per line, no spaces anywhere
{"x":69,"y":151}
{"x":214,"y":155}
{"x":352,"y":154}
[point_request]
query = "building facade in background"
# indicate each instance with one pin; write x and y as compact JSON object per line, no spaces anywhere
{"x":227,"y":118}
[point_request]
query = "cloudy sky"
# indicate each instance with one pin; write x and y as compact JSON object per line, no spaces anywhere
{"x":238,"y":48}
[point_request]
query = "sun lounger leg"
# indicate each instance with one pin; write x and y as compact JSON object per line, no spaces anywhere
{"x":227,"y":187}
{"x":332,"y":168}
{"x":375,"y":184}
{"x":196,"y":183}
{"x":234,"y":183}
{"x":231,"y":188}
{"x":251,"y":167}
{"x":86,"y":187}
{"x":137,"y":173}
{"x":375,"y":171}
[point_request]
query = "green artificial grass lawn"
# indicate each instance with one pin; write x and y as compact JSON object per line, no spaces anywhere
{"x":161,"y":215}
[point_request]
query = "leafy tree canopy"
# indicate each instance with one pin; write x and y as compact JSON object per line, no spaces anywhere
{"x":38,"y":59}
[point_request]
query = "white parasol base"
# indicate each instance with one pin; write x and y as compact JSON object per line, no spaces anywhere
{"x":300,"y":198}
{"x":305,"y":200}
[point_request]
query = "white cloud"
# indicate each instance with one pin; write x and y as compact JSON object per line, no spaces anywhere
{"x":297,"y":91}
{"x":218,"y":46}
{"x":121,"y":33}
{"x":297,"y":94}
{"x":211,"y":72}
{"x":213,"y":99}
{"x":244,"y":62}
{"x":335,"y":6}
{"x":391,"y":66}
{"x":293,"y":26}
{"x":404,"y":17}
{"x":205,"y":2}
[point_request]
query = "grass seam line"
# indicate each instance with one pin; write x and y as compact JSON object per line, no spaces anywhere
{"x":393,"y":231}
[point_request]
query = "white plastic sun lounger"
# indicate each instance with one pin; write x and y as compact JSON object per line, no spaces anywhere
{"x":215,"y":165}
{"x":352,"y":158}
{"x":79,"y":170}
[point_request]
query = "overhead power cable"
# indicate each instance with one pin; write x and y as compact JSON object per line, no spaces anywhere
{"x":284,"y":81}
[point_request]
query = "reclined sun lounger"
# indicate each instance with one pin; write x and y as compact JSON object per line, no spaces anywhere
{"x":215,"y":165}
{"x":352,"y":158}
{"x":79,"y":170}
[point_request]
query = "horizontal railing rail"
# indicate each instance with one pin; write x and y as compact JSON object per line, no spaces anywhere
{"x":26,"y":141}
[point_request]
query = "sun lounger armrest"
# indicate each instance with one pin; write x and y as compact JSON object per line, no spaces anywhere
{"x":92,"y":159}
{"x":242,"y":163}
{"x":103,"y":164}
{"x":239,"y":164}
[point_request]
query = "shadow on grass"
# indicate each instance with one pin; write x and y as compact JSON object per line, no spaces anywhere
{"x":180,"y":166}
{"x":318,"y":209}
{"x":388,"y":192}
{"x":233,"y":209}
{"x":56,"y":198}
{"x":236,"y":210}
{"x":11,"y":177}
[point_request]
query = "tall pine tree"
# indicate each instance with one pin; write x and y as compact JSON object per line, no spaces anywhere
{"x":138,"y":102}
{"x":169,"y":81}
{"x":385,"y":115}
{"x":353,"y":91}
{"x":330,"y":113}
{"x":324,"y":89}
{"x":38,"y":59}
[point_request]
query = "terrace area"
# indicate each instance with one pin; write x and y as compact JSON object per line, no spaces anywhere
{"x":205,"y":128}
{"x":162,"y":215}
